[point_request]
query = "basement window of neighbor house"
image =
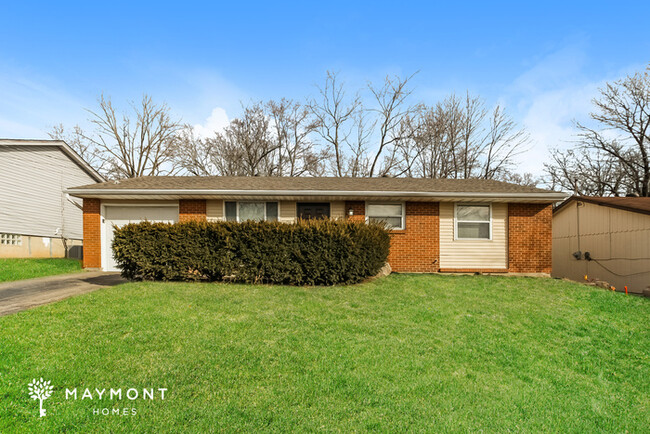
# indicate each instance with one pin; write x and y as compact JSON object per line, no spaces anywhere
{"x":250,"y":210}
{"x":11,"y":240}
{"x":390,"y":213}
{"x":473,"y":222}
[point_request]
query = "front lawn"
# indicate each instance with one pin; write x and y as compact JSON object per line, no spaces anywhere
{"x":18,"y":269}
{"x":404,"y":353}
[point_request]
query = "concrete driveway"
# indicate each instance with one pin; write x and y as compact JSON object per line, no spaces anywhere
{"x":24,"y":294}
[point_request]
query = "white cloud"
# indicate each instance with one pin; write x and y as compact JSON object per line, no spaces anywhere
{"x":549,"y":97}
{"x":216,"y":122}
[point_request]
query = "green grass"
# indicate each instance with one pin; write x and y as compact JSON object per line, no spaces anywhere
{"x":19,"y":269}
{"x":404,"y":353}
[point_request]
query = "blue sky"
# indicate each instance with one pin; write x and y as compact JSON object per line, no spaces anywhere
{"x":544,"y":60}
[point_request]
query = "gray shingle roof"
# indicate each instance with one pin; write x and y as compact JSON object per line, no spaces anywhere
{"x":261,"y":183}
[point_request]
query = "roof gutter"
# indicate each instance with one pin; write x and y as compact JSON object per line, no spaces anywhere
{"x":88,"y":192}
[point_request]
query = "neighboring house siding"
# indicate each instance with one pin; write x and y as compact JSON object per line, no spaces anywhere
{"x":618,"y":239}
{"x":530,"y":237}
{"x":42,"y":247}
{"x":214,"y":210}
{"x":474,"y":254}
{"x":32,"y":201}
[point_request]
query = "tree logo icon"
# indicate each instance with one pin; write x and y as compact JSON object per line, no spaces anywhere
{"x":40,"y":390}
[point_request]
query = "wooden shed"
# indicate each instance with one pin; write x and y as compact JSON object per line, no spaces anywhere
{"x":605,"y":238}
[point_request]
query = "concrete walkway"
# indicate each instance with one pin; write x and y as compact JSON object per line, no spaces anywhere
{"x":24,"y":294}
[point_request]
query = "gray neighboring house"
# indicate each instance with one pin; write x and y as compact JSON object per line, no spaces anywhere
{"x":37,"y":218}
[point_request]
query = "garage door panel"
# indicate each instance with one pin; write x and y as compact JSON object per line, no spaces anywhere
{"x":120,"y":215}
{"x":136,"y":214}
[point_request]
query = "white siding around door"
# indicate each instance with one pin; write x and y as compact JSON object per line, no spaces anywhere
{"x":119,"y":215}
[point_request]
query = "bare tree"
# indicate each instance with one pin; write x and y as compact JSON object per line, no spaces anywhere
{"x":623,"y":110}
{"x":504,"y":141}
{"x":142,"y":144}
{"x":334,"y":115}
{"x":457,"y":139}
{"x":612,"y":157}
{"x":585,"y":172}
{"x":470,"y":122}
{"x":527,"y":179}
{"x":196,"y":155}
{"x":356,"y":163}
{"x":430,"y":158}
{"x":270,"y":139}
{"x":292,"y":127}
{"x":76,"y":139}
{"x":246,"y":147}
{"x":390,"y":111}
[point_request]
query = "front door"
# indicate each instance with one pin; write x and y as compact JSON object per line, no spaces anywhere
{"x":309,"y":210}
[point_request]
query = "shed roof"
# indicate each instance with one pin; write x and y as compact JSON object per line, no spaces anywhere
{"x":632,"y":204}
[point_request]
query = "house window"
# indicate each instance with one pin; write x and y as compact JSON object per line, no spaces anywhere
{"x":473,"y":222}
{"x":256,"y":211}
{"x":11,"y":240}
{"x":390,"y":213}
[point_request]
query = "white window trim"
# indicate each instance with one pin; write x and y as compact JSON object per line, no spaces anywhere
{"x":456,"y":205}
{"x":237,"y":202}
{"x":402,"y":204}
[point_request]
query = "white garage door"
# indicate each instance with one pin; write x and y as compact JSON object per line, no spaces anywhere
{"x":121,"y":215}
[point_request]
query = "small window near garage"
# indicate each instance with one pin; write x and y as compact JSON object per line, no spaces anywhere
{"x":255,"y":211}
{"x":11,"y":240}
{"x":390,"y":213}
{"x":473,"y":222}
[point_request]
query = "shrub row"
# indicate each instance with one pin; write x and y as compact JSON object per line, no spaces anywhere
{"x":316,"y":252}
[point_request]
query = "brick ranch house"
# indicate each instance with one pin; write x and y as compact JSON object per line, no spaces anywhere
{"x":438,"y":225}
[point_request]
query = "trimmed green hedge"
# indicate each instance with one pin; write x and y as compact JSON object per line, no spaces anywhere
{"x":314,"y":252}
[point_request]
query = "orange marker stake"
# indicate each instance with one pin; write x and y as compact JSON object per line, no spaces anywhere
{"x":626,"y":290}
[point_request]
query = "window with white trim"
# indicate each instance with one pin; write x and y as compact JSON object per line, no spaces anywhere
{"x":390,"y":213}
{"x":11,"y":240}
{"x":473,"y":222}
{"x":251,"y":210}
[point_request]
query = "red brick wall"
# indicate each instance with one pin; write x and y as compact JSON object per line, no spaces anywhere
{"x":191,"y":209}
{"x":92,"y":246}
{"x":529,"y":237}
{"x":358,"y":209}
{"x":416,"y":249}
